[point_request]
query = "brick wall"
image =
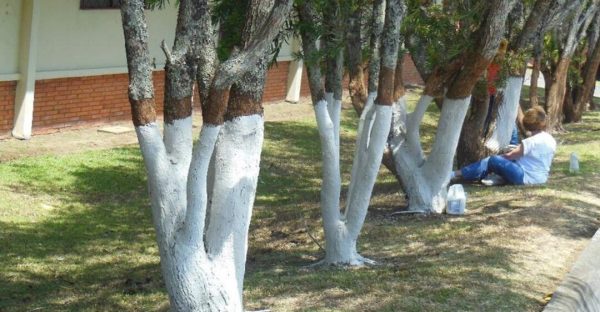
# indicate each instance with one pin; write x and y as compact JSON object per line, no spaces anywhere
{"x":7,"y":106}
{"x":304,"y":86}
{"x":276,"y":84}
{"x":68,"y":102}
{"x":410,"y":75}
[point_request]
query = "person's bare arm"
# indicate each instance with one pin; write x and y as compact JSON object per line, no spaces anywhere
{"x":515,"y":153}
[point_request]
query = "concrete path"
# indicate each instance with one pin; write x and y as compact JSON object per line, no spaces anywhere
{"x":542,"y":84}
{"x":580,"y":290}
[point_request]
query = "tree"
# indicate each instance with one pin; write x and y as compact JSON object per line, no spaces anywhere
{"x":425,"y":178}
{"x":342,"y":229}
{"x":557,"y":65}
{"x":473,"y":144}
{"x":356,"y":36}
{"x":581,"y":93}
{"x":202,"y":194}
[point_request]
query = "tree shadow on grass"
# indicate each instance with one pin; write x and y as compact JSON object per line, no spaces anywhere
{"x":291,"y":163}
{"x":93,"y":250}
{"x":423,"y":265}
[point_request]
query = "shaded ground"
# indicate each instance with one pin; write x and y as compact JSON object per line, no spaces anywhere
{"x":76,"y":234}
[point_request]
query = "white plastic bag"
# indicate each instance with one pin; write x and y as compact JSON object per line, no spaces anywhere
{"x":456,"y":200}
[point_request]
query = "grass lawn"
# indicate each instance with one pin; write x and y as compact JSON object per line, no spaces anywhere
{"x":76,"y":235}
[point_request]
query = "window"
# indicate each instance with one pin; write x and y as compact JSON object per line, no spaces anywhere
{"x":99,"y":4}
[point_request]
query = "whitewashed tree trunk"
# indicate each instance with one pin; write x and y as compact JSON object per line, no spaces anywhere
{"x":202,"y":194}
{"x":426,"y":179}
{"x":342,"y":229}
{"x":507,"y":115}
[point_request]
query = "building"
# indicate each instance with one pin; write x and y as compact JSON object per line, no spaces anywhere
{"x":64,"y":65}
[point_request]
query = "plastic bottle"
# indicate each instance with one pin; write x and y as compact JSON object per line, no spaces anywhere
{"x":456,"y":201}
{"x":574,"y":163}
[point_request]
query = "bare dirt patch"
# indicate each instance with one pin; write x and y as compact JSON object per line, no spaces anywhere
{"x":89,"y":138}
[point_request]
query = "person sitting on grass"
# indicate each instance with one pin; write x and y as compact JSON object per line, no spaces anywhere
{"x":528,"y":163}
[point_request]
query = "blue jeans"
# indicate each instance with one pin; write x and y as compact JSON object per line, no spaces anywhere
{"x":507,"y":169}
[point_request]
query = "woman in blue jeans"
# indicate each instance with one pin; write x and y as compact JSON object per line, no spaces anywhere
{"x":528,"y":163}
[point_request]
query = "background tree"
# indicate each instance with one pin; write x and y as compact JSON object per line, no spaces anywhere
{"x":563,"y":43}
{"x":202,"y":194}
{"x":489,"y":124}
{"x":343,"y":228}
{"x":363,"y":43}
{"x":581,"y":89}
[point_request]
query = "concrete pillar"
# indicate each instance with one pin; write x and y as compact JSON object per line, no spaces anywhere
{"x":294,"y":82}
{"x":27,"y":67}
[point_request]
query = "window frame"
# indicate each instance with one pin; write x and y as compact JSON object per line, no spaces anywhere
{"x":86,"y":5}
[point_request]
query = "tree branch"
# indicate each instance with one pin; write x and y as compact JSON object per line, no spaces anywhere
{"x":230,"y":71}
{"x":334,"y":54}
{"x":237,"y":65}
{"x":390,"y":44}
{"x":180,"y":74}
{"x":310,"y":18}
{"x":246,"y":95}
{"x":486,"y":38}
{"x":141,"y":90}
{"x":206,"y":52}
{"x":376,"y":30}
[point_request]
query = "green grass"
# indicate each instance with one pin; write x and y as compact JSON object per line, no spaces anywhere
{"x":76,"y":234}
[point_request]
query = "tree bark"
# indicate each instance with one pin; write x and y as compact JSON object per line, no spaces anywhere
{"x":376,"y":30}
{"x":533,"y":88}
{"x":356,"y":84}
{"x":556,"y":94}
{"x":470,"y":144}
{"x":584,"y":93}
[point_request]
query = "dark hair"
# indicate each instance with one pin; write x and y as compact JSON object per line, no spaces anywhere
{"x":535,"y":119}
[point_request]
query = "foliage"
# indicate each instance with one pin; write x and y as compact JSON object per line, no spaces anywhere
{"x":550,"y":52}
{"x":230,"y":15}
{"x":157,"y":4}
{"x":574,"y":74}
{"x":444,"y":29}
{"x":515,"y":62}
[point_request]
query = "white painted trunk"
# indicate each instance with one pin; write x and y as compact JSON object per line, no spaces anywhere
{"x":203,"y":266}
{"x":178,"y":142}
{"x":334,"y":109}
{"x":367,"y":113}
{"x":369,"y":152}
{"x":332,"y":182}
{"x":439,"y":162}
{"x":237,"y":162}
{"x":507,"y":115}
{"x":341,"y":232}
{"x":425,"y":179}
